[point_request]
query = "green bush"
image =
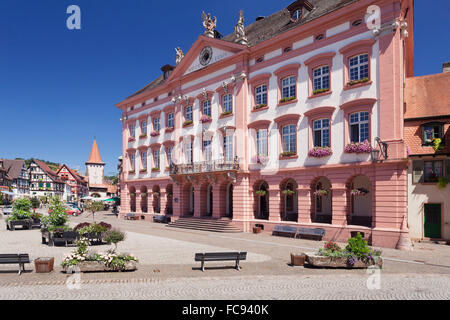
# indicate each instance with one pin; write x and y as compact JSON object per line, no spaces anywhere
{"x":23,"y":204}
{"x":35,"y":203}
{"x":358,"y":246}
{"x":114,"y":237}
{"x":57,"y":216}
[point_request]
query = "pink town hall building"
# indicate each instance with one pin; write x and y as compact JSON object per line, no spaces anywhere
{"x":295,"y":119}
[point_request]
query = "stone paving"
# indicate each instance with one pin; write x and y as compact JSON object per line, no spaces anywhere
{"x":167,"y":269}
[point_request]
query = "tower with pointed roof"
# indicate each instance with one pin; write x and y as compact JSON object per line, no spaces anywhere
{"x":95,"y":167}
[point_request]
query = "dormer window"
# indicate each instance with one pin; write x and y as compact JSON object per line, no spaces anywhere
{"x":166,"y":75}
{"x":297,"y":14}
{"x":431,"y":132}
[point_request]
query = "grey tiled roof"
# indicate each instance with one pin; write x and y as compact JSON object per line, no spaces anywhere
{"x":272,"y":26}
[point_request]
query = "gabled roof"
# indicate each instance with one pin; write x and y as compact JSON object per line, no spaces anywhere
{"x":52,"y":174}
{"x":263,"y":30}
{"x":13,"y":168}
{"x":75,"y":175}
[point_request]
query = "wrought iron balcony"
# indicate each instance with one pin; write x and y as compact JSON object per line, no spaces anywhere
{"x":205,"y":167}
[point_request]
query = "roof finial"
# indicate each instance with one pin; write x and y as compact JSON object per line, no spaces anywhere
{"x":209,"y":24}
{"x":239,"y":30}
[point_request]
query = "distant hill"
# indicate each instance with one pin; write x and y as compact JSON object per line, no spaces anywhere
{"x":52,"y":165}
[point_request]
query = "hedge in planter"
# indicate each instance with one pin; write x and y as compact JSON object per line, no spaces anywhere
{"x":21,"y":214}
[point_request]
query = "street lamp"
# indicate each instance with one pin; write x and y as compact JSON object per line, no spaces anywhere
{"x":375,"y":154}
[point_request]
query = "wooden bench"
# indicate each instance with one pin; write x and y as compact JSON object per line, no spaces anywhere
{"x":277,"y":230}
{"x":160,"y":219}
{"x":317,"y":232}
{"x":19,"y":259}
{"x":221,"y":256}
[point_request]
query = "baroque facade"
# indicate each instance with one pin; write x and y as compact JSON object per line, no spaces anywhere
{"x":275,"y":124}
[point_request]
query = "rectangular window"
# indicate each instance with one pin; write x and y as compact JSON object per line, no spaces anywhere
{"x":189,"y":153}
{"x":189,"y":113}
{"x":156,"y":159}
{"x":227,"y":103}
{"x":207,"y":108}
{"x":289,"y":138}
{"x":288,"y":87}
{"x":156,"y":126}
{"x":432,"y":131}
{"x":321,"y":133}
{"x":133,"y":162}
{"x":170,"y":120}
{"x":169,"y":155}
{"x":261,"y":95}
{"x":144,"y":160}
{"x":321,"y":78}
{"x":207,"y":150}
{"x":261,"y":142}
{"x":433,"y":170}
{"x":133,"y":130}
{"x":359,"y":127}
{"x":359,"y":67}
{"x":144,"y":127}
{"x":228,"y":148}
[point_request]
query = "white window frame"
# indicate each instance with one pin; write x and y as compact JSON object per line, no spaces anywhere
{"x":144,"y":159}
{"x":261,"y":142}
{"x":189,"y":152}
{"x":289,"y":83}
{"x":287,"y":144}
{"x":359,"y":66}
{"x":189,"y":113}
{"x":156,"y":158}
{"x":227,"y":103}
{"x":261,"y":96}
{"x":171,"y":120}
{"x":156,"y":124}
{"x":319,"y":125}
{"x":144,"y":127}
{"x":361,"y":125}
{"x":207,"y":150}
{"x":318,"y":77}
{"x":228,"y":151}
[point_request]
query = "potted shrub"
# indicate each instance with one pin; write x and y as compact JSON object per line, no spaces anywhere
{"x":21,"y":215}
{"x":442,"y":183}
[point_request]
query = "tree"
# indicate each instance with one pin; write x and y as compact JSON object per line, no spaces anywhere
{"x":94,"y":206}
{"x":114,"y":236}
{"x":35,"y":202}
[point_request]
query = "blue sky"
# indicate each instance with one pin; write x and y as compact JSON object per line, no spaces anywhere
{"x":58,"y":87}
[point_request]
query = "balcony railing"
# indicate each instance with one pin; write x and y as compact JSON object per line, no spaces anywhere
{"x":205,"y":167}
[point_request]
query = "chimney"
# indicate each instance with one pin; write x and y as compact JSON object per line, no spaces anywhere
{"x":446,"y":67}
{"x":260,"y":18}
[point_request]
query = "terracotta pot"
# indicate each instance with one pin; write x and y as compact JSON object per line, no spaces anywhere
{"x":257,"y":230}
{"x":44,"y":265}
{"x":298,"y":259}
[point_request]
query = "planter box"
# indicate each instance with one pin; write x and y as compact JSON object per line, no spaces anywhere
{"x":44,"y":265}
{"x":25,"y":224}
{"x":95,"y":266}
{"x":329,"y":262}
{"x":298,"y":259}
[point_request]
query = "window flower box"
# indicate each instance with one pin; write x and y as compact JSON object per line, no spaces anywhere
{"x":260,"y":106}
{"x":288,"y":154}
{"x":359,"y":192}
{"x":260,"y":159}
{"x":261,"y":193}
{"x":132,"y":194}
{"x":320,"y":152}
{"x":155,"y":134}
{"x":205,"y":119}
{"x":226,"y":114}
{"x":143,"y":170}
{"x":132,"y":139}
{"x":353,"y":82}
{"x":132,"y":172}
{"x":321,"y":193}
{"x":143,"y":136}
{"x":188,"y":123}
{"x":155,"y":170}
{"x":358,"y":147}
{"x":170,"y":130}
{"x":319,"y":91}
{"x":288,"y":192}
{"x":284,"y":100}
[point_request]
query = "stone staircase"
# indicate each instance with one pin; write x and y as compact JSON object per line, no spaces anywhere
{"x":201,"y":224}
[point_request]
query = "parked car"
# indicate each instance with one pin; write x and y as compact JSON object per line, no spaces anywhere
{"x":70,"y":212}
{"x":74,"y":207}
{"x":7,"y":210}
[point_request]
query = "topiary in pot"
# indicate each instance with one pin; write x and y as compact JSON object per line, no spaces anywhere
{"x":114,"y":237}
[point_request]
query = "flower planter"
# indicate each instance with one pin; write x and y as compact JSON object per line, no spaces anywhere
{"x":44,"y":265}
{"x":97,"y":266}
{"x":12,"y":224}
{"x":331,"y":262}
{"x":298,"y":259}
